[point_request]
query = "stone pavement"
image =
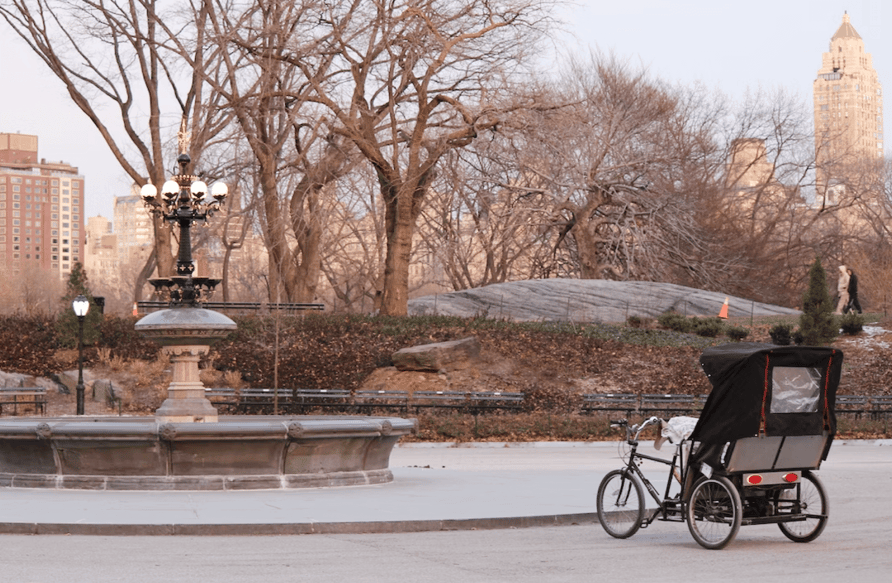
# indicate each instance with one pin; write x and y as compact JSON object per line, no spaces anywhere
{"x":435,"y":487}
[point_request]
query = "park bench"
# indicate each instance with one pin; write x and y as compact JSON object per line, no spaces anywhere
{"x":438,"y":399}
{"x":381,"y":399}
{"x":672,"y":404}
{"x":852,"y":404}
{"x":319,"y":398}
{"x":494,"y":400}
{"x":259,"y":398}
{"x":594,"y":402}
{"x":881,"y":406}
{"x":24,"y":396}
{"x":243,"y":400}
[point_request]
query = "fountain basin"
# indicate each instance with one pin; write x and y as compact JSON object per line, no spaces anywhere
{"x":233,"y":453}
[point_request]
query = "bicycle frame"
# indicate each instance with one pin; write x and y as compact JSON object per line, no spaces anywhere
{"x":669,"y":509}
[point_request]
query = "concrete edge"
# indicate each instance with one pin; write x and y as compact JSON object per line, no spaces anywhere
{"x":557,"y":444}
{"x":378,"y":527}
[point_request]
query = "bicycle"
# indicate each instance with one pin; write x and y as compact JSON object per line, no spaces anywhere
{"x":621,"y":500}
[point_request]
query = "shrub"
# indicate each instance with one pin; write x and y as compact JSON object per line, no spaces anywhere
{"x":816,"y":324}
{"x":851,"y":323}
{"x":635,"y":321}
{"x":708,"y":327}
{"x":674,"y":321}
{"x":737,"y":333}
{"x":781,"y":334}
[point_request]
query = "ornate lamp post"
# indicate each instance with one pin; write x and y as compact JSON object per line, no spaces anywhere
{"x":183,"y":201}
{"x":185,"y":330}
{"x":81,"y":306}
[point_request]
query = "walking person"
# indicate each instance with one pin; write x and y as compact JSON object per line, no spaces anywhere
{"x":852,"y":289}
{"x":842,"y":288}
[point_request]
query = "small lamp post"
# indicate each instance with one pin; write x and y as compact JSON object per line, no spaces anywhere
{"x":81,"y":306}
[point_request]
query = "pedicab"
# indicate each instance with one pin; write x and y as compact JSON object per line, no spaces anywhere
{"x":751,"y":456}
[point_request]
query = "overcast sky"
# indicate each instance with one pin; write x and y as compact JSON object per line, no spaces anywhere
{"x":757,"y":43}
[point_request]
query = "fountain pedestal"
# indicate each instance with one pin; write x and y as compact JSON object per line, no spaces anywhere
{"x":186,"y":401}
{"x":185,"y":334}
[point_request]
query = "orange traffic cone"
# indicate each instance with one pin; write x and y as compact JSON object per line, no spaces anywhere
{"x":135,"y":311}
{"x":723,"y":313}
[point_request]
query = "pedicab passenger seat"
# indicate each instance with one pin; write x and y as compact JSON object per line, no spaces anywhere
{"x":771,"y":407}
{"x":757,"y":454}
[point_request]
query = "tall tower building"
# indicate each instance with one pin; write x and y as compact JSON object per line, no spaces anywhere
{"x":848,"y":101}
{"x":41,"y":210}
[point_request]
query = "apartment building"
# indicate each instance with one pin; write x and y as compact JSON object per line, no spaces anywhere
{"x":41,"y":210}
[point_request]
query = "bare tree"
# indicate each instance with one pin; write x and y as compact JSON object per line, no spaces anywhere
{"x":296,"y":155}
{"x":407,"y":81}
{"x":484,"y":221}
{"x":610,"y":158}
{"x":113,"y":58}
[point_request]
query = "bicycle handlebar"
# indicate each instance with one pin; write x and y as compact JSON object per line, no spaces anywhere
{"x":634,"y":429}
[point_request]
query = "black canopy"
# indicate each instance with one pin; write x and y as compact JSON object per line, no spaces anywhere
{"x":764,"y":389}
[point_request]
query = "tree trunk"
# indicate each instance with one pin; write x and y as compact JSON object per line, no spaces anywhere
{"x":403,"y":205}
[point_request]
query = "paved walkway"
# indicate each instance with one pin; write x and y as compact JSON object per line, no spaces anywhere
{"x":435,"y":487}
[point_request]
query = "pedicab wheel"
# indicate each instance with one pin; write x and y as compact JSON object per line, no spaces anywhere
{"x":714,"y":512}
{"x":812,"y":503}
{"x":620,"y":504}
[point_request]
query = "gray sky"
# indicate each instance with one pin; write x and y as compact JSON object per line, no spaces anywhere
{"x":730,"y":46}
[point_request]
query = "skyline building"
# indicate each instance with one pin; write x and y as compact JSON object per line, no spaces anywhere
{"x":848,"y":111}
{"x":41,"y":219}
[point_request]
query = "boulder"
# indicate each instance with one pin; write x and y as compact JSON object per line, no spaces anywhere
{"x":586,"y":300}
{"x":438,"y":356}
{"x":103,"y":391}
{"x":14,"y":379}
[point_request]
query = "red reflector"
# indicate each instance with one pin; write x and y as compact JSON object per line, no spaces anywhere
{"x":791,"y":477}
{"x":754,"y":479}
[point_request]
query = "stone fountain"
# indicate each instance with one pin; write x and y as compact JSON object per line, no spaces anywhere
{"x":187,"y":445}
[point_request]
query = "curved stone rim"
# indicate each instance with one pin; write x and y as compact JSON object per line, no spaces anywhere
{"x":234,"y":453}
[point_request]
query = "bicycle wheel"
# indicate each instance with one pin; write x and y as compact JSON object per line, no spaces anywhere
{"x":813,"y":503}
{"x":620,"y":504}
{"x":714,"y":512}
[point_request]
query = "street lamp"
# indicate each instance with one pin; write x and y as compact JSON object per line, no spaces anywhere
{"x":81,"y":306}
{"x":183,"y":201}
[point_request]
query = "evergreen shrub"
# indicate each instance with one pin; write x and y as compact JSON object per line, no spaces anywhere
{"x":817,"y":323}
{"x":737,"y":333}
{"x":781,"y":334}
{"x":708,"y":327}
{"x":851,"y":323}
{"x":674,"y":321}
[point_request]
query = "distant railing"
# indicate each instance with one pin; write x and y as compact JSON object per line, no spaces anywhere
{"x":343,"y":400}
{"x":234,"y":308}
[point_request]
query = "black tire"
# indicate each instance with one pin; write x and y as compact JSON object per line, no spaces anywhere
{"x":620,"y":504}
{"x":813,"y":502}
{"x":714,"y":512}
